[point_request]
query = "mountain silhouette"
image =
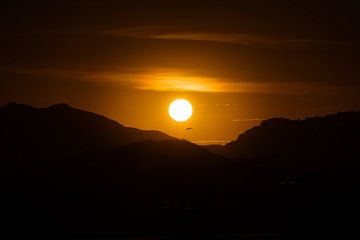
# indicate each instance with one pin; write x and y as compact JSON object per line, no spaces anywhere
{"x":71,"y":173}
{"x":333,"y":135}
{"x":61,"y":130}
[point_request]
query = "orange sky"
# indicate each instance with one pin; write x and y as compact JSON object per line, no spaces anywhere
{"x":237,"y":62}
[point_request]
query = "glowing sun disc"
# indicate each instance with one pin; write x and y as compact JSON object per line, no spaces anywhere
{"x":180,"y":110}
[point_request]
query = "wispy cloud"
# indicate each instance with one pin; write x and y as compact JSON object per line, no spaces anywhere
{"x":167,"y":33}
{"x":178,"y":33}
{"x":168,"y":79}
{"x":247,"y":120}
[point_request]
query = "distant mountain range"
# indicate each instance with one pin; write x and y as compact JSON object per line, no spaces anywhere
{"x":60,"y":132}
{"x":63,"y":130}
{"x":69,"y":172}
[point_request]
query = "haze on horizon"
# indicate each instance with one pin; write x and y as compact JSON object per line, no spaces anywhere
{"x":236,"y":62}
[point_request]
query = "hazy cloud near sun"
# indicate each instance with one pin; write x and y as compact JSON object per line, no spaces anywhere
{"x":247,"y":119}
{"x":170,"y":79}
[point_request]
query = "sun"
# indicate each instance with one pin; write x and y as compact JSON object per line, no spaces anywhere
{"x":180,"y":110}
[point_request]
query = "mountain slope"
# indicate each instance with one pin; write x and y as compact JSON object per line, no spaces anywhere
{"x":63,"y":130}
{"x":336,"y":135}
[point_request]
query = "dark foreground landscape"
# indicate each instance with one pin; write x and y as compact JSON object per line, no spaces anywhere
{"x":73,"y":174}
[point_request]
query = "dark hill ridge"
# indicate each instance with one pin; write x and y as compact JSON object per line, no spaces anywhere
{"x":109,"y":182}
{"x":335,"y":135}
{"x":61,"y":130}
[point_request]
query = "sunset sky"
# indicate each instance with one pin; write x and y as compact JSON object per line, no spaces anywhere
{"x":237,"y":62}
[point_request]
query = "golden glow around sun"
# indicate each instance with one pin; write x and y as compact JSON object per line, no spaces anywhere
{"x":180,"y":110}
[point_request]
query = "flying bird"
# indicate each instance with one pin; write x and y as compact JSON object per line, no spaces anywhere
{"x":189,"y":128}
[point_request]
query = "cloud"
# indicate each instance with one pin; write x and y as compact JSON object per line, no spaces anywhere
{"x":181,"y":34}
{"x":168,"y":33}
{"x":171,"y":79}
{"x":247,"y":119}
